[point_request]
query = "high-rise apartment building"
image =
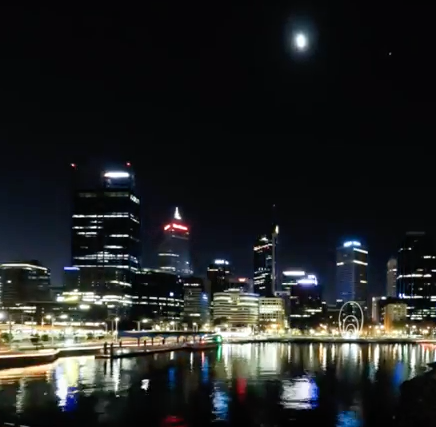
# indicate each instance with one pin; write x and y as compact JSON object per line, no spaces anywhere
{"x":106,"y":235}
{"x":391,"y":278}
{"x":174,"y":251}
{"x":352,"y":273}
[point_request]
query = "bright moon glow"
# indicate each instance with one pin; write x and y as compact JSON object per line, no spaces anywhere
{"x":301,"y":41}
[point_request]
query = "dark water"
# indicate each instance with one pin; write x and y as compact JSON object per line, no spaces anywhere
{"x":253,"y":384}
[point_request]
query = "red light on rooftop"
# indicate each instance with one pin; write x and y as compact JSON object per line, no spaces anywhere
{"x":180,"y":227}
{"x":128,"y":164}
{"x":73,"y":165}
{"x":175,"y":227}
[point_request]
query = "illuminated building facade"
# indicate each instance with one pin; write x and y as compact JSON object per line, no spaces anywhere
{"x":235,"y":308}
{"x":106,"y":236}
{"x":266,"y":275}
{"x":71,"y":278}
{"x":395,"y":316}
{"x":306,"y":308}
{"x":242,"y":283}
{"x":263,"y":267}
{"x":21,"y":282}
{"x":196,"y":302}
{"x":416,"y":276}
{"x":352,"y":273}
{"x":271,"y":313}
{"x":159,"y":297}
{"x":391,"y":278}
{"x":218,"y":276}
{"x":174,"y":256}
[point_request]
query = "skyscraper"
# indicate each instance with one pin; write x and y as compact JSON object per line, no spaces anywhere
{"x":174,"y":256}
{"x":274,"y":270}
{"x":106,"y":235}
{"x":352,"y":273}
{"x":416,"y":276}
{"x":218,"y":276}
{"x":391,"y":278}
{"x":263,"y":266}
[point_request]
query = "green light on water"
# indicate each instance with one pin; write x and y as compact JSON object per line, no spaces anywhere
{"x":219,"y":354}
{"x":219,"y":339}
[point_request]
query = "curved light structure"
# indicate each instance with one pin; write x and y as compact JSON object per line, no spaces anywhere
{"x":345,"y":325}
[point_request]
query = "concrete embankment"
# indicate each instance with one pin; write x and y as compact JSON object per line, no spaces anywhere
{"x":126,"y":352}
{"x":41,"y":357}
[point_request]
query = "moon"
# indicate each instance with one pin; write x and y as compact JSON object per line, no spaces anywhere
{"x":301,"y":42}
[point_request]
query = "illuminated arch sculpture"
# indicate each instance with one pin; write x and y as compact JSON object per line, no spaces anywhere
{"x":350,"y":321}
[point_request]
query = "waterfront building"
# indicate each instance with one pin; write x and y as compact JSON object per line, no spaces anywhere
{"x":306,"y":308}
{"x":158,"y":296}
{"x":235,"y":308}
{"x":395,"y":316}
{"x":106,"y":235}
{"x":271,"y":313}
{"x":23,"y":281}
{"x":416,"y":276}
{"x":196,"y":302}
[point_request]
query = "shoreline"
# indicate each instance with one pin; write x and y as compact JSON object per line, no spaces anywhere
{"x":22,"y":360}
{"x":328,"y":340}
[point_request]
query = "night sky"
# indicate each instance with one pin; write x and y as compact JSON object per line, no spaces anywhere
{"x":221,"y":117}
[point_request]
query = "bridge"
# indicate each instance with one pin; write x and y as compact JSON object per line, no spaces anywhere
{"x":152,"y":335}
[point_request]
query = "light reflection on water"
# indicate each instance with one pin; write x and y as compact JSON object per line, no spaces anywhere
{"x":342,"y":384}
{"x":299,"y":393}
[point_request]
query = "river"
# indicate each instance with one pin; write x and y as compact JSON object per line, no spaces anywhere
{"x":340,"y":385}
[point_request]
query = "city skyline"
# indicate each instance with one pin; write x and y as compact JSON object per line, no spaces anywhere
{"x":330,"y":132}
{"x":300,"y":253}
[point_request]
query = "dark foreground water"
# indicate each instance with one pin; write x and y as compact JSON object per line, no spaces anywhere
{"x":238,"y":385}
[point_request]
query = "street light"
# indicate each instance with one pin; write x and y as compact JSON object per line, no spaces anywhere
{"x":51,"y":318}
{"x":117,"y":319}
{"x":138,"y":322}
{"x":195,"y":327}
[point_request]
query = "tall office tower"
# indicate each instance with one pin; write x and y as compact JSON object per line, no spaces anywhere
{"x":306,"y":308}
{"x":159,"y":296}
{"x":416,"y":275}
{"x":352,"y":273}
{"x":106,"y":235}
{"x":218,"y":276}
{"x":274,"y":271}
{"x":173,"y":253}
{"x":196,"y":302}
{"x":23,"y":282}
{"x":391,"y":278}
{"x":263,"y":267}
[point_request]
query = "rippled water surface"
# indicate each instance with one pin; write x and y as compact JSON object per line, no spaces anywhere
{"x":252,"y":384}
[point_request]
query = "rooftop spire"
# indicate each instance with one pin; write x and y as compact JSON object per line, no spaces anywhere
{"x":177,"y":215}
